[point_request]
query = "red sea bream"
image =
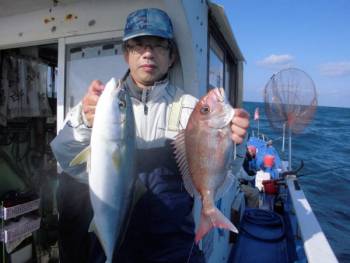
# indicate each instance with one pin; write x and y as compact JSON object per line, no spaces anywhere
{"x":204,"y":151}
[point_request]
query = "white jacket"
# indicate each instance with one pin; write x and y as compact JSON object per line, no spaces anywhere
{"x":160,"y":112}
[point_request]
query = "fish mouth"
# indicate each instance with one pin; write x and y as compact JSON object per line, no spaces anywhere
{"x":222,"y":94}
{"x":226,"y":117}
{"x":223,"y":120}
{"x":229,"y":113}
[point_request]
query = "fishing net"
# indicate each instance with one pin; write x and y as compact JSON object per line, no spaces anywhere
{"x":290,"y":100}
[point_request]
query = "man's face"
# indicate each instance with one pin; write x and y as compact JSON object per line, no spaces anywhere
{"x":251,"y":151}
{"x":149,"y":59}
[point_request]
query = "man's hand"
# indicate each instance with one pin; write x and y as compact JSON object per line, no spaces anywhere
{"x":239,"y":125}
{"x":90,"y":101}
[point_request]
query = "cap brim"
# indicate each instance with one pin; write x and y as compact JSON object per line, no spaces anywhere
{"x":140,"y":34}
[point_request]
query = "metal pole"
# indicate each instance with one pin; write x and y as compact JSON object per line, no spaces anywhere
{"x":284,"y":137}
{"x":290,"y":148}
{"x":234,"y":151}
{"x":2,"y":231}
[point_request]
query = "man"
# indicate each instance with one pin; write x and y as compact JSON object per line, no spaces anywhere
{"x":247,"y":178}
{"x":161,"y":228}
{"x":249,"y":163}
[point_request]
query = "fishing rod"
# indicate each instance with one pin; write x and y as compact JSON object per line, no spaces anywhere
{"x":327,"y":170}
{"x":295,"y":172}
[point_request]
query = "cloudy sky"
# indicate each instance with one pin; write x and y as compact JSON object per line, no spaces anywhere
{"x":312,"y":35}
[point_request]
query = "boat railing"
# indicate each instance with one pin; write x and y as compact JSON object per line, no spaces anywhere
{"x":316,"y":246}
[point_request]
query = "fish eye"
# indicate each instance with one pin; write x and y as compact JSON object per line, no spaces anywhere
{"x":122,"y":104}
{"x":205,"y":109}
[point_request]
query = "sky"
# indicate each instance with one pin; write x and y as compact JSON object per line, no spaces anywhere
{"x":311,"y":35}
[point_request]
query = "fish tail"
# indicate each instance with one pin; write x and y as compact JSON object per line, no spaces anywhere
{"x":213,"y":219}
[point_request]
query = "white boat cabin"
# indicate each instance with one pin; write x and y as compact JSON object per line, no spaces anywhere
{"x":83,"y":38}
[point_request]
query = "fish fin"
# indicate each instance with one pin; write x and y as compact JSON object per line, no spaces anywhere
{"x":225,"y":186}
{"x":140,"y":190}
{"x":116,"y":158}
{"x":230,"y":177}
{"x":82,"y":157}
{"x":93,"y":228}
{"x":181,"y":159}
{"x":212,"y":220}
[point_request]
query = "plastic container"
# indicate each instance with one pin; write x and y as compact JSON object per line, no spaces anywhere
{"x":16,"y":230}
{"x":17,"y":210}
{"x":262,"y":238}
{"x":270,"y":187}
{"x":269,"y":160}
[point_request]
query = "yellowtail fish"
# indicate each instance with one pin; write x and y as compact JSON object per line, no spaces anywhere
{"x":111,"y":174}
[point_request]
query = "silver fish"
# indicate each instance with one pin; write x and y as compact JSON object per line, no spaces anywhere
{"x":111,"y":173}
{"x":204,"y":153}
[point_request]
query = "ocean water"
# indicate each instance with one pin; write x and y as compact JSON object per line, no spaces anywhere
{"x":324,"y":146}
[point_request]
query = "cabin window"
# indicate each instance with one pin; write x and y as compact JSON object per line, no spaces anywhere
{"x":228,"y":71}
{"x":216,"y":65}
{"x":223,"y":68}
{"x":86,"y":62}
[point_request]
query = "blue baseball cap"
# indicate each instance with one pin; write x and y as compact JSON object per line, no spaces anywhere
{"x":148,"y":22}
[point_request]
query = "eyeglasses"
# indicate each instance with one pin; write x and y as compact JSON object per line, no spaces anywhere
{"x":141,"y":47}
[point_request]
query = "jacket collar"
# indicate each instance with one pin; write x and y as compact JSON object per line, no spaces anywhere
{"x":149,"y":93}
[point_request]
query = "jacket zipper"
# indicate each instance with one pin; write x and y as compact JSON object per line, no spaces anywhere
{"x":144,"y":96}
